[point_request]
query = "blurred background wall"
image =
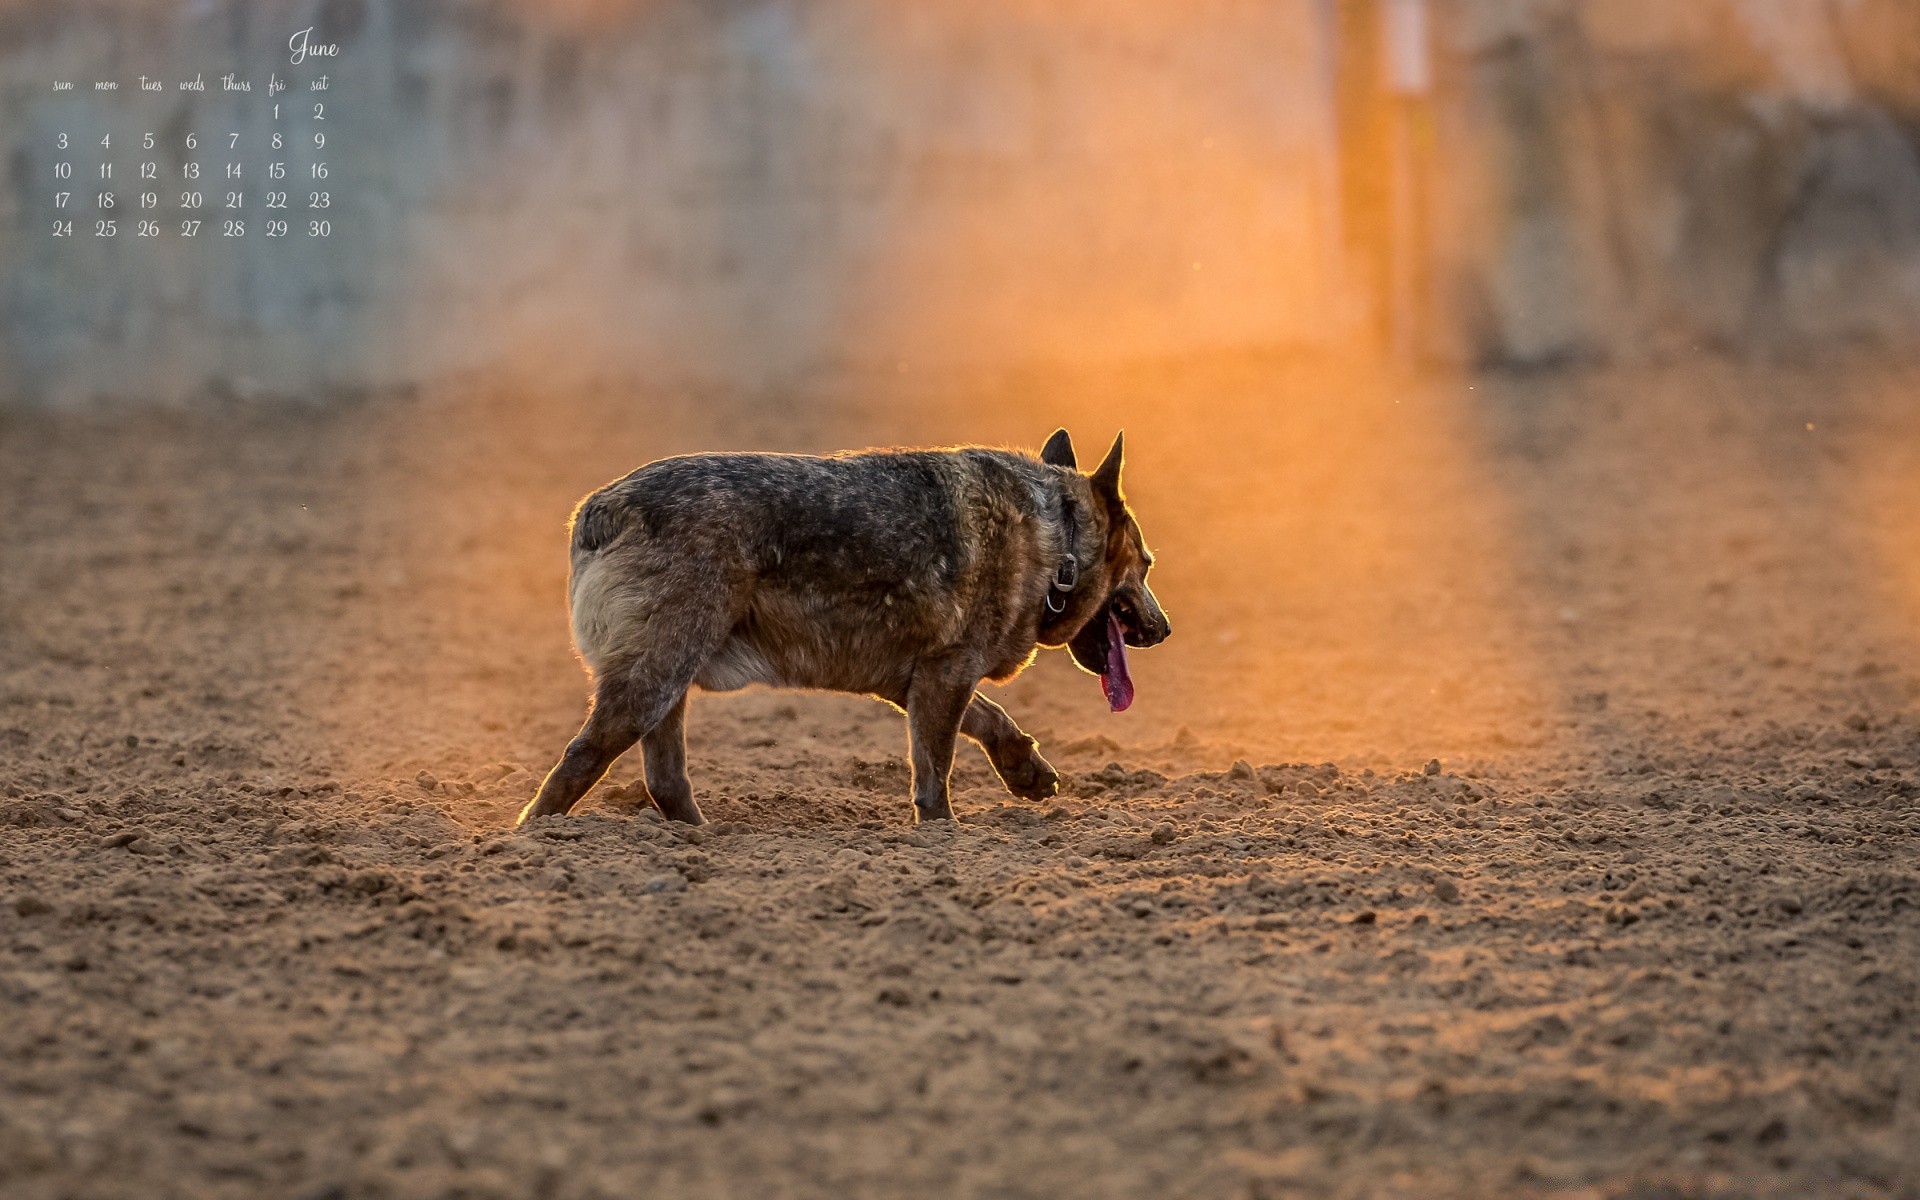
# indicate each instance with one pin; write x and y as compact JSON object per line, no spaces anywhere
{"x":752,"y":189}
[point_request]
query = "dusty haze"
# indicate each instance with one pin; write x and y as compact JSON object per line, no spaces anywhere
{"x":1523,"y":807}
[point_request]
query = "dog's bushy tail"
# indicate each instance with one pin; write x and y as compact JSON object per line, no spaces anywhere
{"x":597,"y":522}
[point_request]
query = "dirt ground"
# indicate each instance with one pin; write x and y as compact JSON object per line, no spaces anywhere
{"x":1525,"y":805}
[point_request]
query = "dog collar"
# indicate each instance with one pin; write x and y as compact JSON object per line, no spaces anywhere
{"x":1066,"y":575}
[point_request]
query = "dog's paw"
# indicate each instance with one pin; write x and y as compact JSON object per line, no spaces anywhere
{"x":923,"y":814}
{"x":1031,"y":778}
{"x":535,"y":810}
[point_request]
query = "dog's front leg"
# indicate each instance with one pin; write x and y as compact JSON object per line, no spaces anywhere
{"x":1014,"y":755}
{"x":936,"y":700}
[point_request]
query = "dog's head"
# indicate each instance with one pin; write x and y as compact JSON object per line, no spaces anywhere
{"x":1117,"y":607}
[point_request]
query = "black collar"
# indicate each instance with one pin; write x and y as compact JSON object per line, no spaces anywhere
{"x":1066,"y":573}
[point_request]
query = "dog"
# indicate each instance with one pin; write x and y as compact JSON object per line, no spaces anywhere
{"x":910,"y":575}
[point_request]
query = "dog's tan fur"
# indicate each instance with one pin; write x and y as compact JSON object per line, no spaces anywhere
{"x":910,"y":575}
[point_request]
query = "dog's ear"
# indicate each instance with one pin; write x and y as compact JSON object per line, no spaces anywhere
{"x":1106,"y":477}
{"x":1058,"y":452}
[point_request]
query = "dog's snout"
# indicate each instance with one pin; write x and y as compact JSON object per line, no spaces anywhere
{"x":1147,"y":623}
{"x":1157,"y":629}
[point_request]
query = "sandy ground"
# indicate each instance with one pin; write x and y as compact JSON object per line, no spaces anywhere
{"x":1524,"y":806}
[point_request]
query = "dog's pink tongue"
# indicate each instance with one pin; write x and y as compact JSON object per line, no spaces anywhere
{"x":1116,"y":683}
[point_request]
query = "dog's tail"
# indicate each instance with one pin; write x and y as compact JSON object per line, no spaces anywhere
{"x":599,"y":605}
{"x":598,"y":520}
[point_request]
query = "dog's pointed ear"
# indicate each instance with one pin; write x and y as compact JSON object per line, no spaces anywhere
{"x":1106,"y":477}
{"x":1058,"y":452}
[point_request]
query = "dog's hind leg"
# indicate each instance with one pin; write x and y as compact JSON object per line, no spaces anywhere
{"x":609,"y":732}
{"x":629,"y":704}
{"x":666,"y":750}
{"x":1015,"y":756}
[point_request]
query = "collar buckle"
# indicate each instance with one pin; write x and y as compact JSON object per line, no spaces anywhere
{"x":1067,"y":576}
{"x":1064,"y":579}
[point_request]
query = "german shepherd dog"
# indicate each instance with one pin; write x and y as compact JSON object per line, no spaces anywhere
{"x":910,"y":575}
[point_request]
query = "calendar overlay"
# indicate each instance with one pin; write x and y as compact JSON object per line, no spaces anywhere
{"x":133,"y":164}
